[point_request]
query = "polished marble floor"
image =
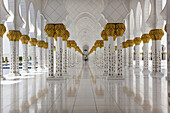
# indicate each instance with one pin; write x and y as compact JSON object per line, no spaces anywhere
{"x":86,"y":91}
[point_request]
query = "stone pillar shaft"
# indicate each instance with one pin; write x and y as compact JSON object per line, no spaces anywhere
{"x":59,"y":51}
{"x":51,"y":56}
{"x":110,"y":50}
{"x":40,"y":58}
{"x":105,"y":58}
{"x":13,"y":67}
{"x":65,"y":63}
{"x":33,"y":57}
{"x":130,"y":57}
{"x":17,"y":58}
{"x":25,"y":58}
{"x":137,"y":56}
{"x":119,"y":53}
{"x":146,"y":56}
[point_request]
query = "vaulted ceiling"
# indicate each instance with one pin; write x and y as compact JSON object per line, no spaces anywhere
{"x":85,"y":19}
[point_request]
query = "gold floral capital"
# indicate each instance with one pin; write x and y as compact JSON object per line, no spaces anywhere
{"x":2,"y":30}
{"x":13,"y":35}
{"x":24,"y":39}
{"x":137,"y":41}
{"x":156,"y":34}
{"x":66,"y":36}
{"x":45,"y":45}
{"x":130,"y":43}
{"x":33,"y":41}
{"x":110,"y":29}
{"x":60,"y":30}
{"x":124,"y":45}
{"x":104,"y":35}
{"x":120,"y":29}
{"x":40,"y":43}
{"x":145,"y":38}
{"x":50,"y":30}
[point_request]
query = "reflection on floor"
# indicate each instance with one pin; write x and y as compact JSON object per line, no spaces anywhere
{"x":85,"y":92}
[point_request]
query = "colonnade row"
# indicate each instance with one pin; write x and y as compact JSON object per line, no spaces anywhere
{"x":113,"y":60}
{"x":68,"y":54}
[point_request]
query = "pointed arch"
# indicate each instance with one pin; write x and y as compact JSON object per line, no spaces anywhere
{"x":38,"y":23}
{"x":31,"y":18}
{"x":138,"y":20}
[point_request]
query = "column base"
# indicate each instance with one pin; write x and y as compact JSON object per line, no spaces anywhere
{"x":157,"y":74}
{"x":66,"y":75}
{"x":146,"y":72}
{"x":12,"y":76}
{"x":115,"y":77}
{"x":105,"y":74}
{"x":33,"y":70}
{"x":157,"y":110}
{"x":138,"y":99}
{"x":147,"y":105}
{"x":2,"y":78}
{"x":33,"y":99}
{"x":24,"y":105}
{"x":24,"y":73}
{"x":55,"y":78}
{"x":137,"y":70}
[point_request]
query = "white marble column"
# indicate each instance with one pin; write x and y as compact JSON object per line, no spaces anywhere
{"x":51,"y":56}
{"x":33,"y":42}
{"x":156,"y":36}
{"x":24,"y":39}
{"x":14,"y":43}
{"x":130,"y":48}
{"x":137,"y":42}
{"x":105,"y":58}
{"x":124,"y":58}
{"x":59,"y":51}
{"x":25,"y":58}
{"x":119,"y":57}
{"x":65,"y":59}
{"x":17,"y":58}
{"x":146,"y":38}
{"x":13,"y":64}
{"x":33,"y":58}
{"x":2,"y":31}
{"x":45,"y":55}
{"x":110,"y":57}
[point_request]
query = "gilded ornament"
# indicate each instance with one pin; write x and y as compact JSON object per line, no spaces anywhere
{"x":33,"y":41}
{"x":104,"y":35}
{"x":124,"y":45}
{"x":120,"y":29}
{"x":130,"y":43}
{"x":40,"y":43}
{"x":137,"y":41}
{"x":69,"y":44}
{"x":50,"y":30}
{"x":156,"y":34}
{"x":115,"y":48}
{"x":54,"y":48}
{"x":13,"y":35}
{"x":60,"y":30}
{"x":66,"y":36}
{"x":145,"y":38}
{"x":2,"y":30}
{"x":110,"y":29}
{"x":165,"y":28}
{"x":46,"y":45}
{"x":24,"y":39}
